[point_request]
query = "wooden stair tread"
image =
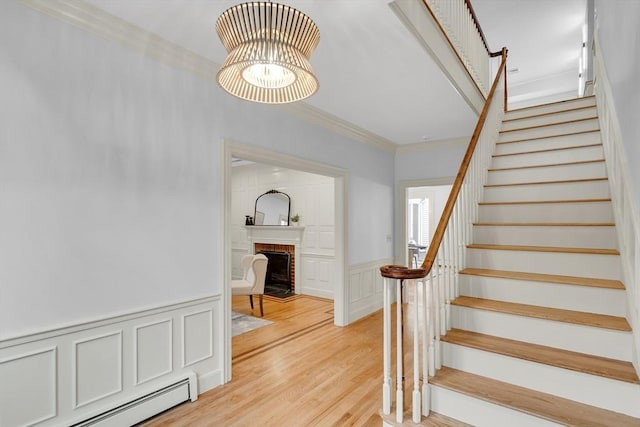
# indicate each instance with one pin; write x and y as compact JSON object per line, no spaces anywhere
{"x":566,"y":122}
{"x":546,"y":165}
{"x":593,"y":251}
{"x":604,"y":321}
{"x":546,"y":224}
{"x":547,"y":150}
{"x":547,"y":278}
{"x":579,"y":362}
{"x":536,"y":202}
{"x":563,"y":181}
{"x":548,"y":114}
{"x":546,"y":137}
{"x":542,"y":405}
{"x":548,"y":104}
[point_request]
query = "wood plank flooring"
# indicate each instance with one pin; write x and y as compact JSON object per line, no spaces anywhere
{"x":299,"y":371}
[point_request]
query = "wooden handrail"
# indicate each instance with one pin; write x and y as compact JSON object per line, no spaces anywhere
{"x":475,"y":20}
{"x":400,"y":272}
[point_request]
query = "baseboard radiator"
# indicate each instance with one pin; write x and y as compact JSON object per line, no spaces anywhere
{"x":146,"y":406}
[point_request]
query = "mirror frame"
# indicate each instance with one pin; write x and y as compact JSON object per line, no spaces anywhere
{"x":255,"y":209}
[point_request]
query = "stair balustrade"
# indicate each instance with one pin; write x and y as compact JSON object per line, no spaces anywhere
{"x":458,"y":21}
{"x":435,"y":283}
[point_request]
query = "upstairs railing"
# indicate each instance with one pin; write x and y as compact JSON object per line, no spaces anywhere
{"x":459,"y":23}
{"x":435,"y":283}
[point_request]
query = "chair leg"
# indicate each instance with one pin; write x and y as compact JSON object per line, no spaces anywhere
{"x":261,"y":308}
{"x":251,"y":301}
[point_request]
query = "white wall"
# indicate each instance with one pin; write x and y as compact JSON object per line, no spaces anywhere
{"x":111,"y":176}
{"x":312,"y":197}
{"x":617,"y":26}
{"x":435,"y":159}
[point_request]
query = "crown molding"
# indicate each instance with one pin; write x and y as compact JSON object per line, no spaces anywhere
{"x":95,"y":20}
{"x":433,"y":145}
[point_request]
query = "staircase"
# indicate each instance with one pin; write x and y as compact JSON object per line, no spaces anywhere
{"x":539,"y":335}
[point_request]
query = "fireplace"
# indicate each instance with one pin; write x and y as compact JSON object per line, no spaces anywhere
{"x":278,"y":279}
{"x":280,"y":268}
{"x":277,"y":239}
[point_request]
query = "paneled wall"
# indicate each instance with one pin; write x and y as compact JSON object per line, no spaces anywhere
{"x":312,"y":197}
{"x":365,"y":288}
{"x":71,"y":374}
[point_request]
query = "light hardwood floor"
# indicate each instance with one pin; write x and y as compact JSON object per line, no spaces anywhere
{"x":299,"y":371}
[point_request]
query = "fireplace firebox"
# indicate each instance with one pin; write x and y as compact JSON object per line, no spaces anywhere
{"x":278,"y":278}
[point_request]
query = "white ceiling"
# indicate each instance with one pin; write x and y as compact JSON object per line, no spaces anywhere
{"x":372,"y":72}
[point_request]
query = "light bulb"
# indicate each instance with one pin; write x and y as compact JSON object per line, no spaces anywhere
{"x":270,"y":76}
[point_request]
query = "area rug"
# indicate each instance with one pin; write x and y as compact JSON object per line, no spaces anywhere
{"x":241,"y":323}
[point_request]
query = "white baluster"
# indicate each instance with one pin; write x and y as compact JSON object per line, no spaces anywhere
{"x":426,"y":398}
{"x":386,"y":346}
{"x":399,"y":355}
{"x":416,"y":402}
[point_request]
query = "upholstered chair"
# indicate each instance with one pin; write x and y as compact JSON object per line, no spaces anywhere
{"x":253,"y":278}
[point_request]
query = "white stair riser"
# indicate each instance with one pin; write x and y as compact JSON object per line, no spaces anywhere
{"x":545,"y":192}
{"x":551,"y":130}
{"x":553,"y":295}
{"x":574,"y":140}
{"x":565,"y":264}
{"x":565,"y":116}
{"x":480,"y":413}
{"x":550,"y":108}
{"x":547,"y":212}
{"x":568,"y":336}
{"x":589,"y":389}
{"x":603,"y":237}
{"x":578,"y":154}
{"x":548,"y":173}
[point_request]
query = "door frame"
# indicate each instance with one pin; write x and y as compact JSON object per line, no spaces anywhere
{"x":401,"y":208}
{"x":261,"y":155}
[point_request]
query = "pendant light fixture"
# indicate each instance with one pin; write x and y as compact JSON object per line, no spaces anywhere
{"x":268,"y":46}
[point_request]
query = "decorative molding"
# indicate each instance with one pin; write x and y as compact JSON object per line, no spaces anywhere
{"x":6,"y":387}
{"x":77,"y":375}
{"x":433,"y":145}
{"x":95,"y":20}
{"x":365,"y":288}
{"x":43,"y":375}
{"x":136,"y":351}
{"x":208,"y":335}
{"x":105,"y":321}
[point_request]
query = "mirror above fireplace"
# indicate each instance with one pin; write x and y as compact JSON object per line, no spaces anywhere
{"x":272,"y":208}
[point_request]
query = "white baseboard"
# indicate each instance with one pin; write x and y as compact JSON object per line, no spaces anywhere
{"x":209,"y":381}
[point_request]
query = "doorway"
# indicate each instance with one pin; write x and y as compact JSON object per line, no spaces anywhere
{"x":251,"y":153}
{"x":420,"y":207}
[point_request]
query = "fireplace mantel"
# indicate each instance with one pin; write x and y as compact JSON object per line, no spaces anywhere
{"x":282,"y":235}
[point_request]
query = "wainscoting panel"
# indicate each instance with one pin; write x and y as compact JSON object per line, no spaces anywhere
{"x":197,"y":337}
{"x":153,"y":350}
{"x":98,"y":368}
{"x":71,"y":374}
{"x":365,"y":288}
{"x":32,"y":397}
{"x":317,"y":276}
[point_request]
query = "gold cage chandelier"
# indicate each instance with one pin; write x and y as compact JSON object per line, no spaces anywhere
{"x":268,"y":46}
